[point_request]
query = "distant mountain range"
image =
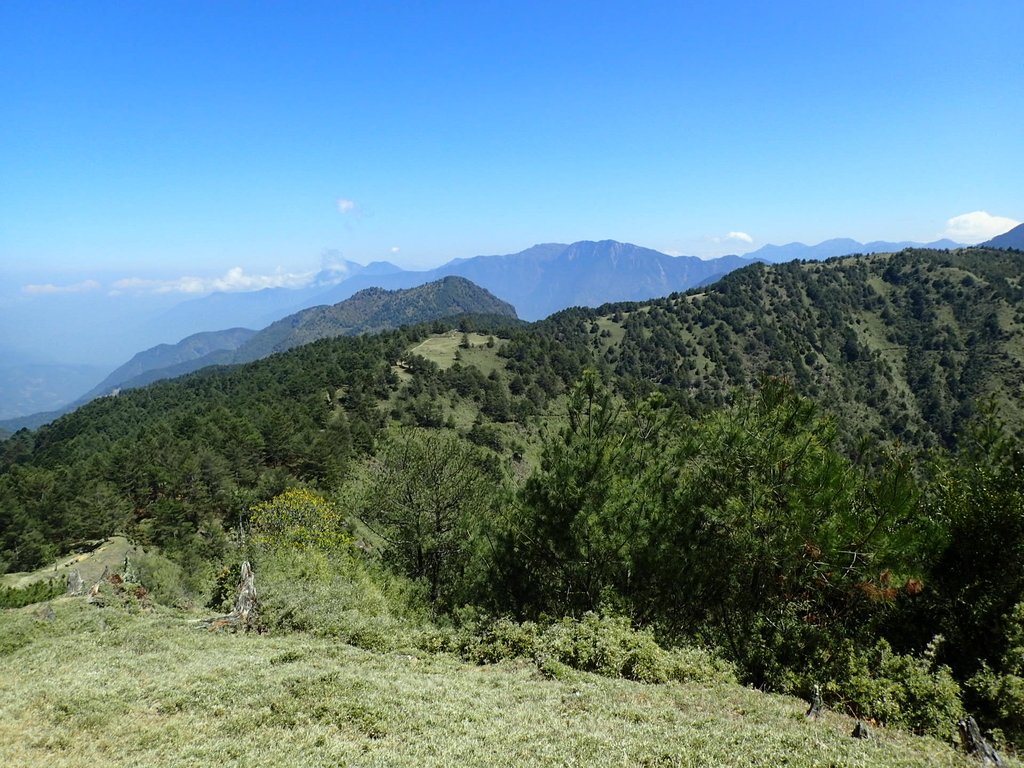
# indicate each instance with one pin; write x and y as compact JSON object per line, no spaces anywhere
{"x":840,"y":246}
{"x":537,"y":282}
{"x":550,"y":277}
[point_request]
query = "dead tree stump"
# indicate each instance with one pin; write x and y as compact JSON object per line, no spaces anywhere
{"x":814,"y":711}
{"x":861,"y":730}
{"x":76,"y":585}
{"x":245,"y":615}
{"x":94,"y":591}
{"x":975,"y":744}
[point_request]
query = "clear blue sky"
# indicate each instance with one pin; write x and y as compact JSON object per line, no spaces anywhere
{"x":192,"y":137}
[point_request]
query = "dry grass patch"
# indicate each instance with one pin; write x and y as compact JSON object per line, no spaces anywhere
{"x":99,"y":687}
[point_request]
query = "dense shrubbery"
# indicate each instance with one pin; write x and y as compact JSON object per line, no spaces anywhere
{"x":909,"y":691}
{"x":606,"y":645}
{"x":999,"y":685}
{"x":307,"y":590}
{"x":33,"y":593}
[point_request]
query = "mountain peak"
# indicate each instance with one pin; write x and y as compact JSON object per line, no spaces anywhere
{"x":1012,"y":239}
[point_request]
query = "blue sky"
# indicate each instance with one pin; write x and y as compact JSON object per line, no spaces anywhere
{"x":154,"y":140}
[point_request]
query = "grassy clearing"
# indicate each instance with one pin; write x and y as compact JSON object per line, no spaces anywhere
{"x":444,"y":349}
{"x":102,"y":686}
{"x":90,"y":564}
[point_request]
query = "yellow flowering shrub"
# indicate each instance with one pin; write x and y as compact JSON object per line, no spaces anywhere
{"x":299,"y":518}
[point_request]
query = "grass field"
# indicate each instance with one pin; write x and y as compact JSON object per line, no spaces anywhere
{"x":116,"y":686}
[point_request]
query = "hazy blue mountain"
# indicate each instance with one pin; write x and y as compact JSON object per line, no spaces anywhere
{"x":170,"y":356}
{"x":1012,"y":239}
{"x":380,"y":268}
{"x":32,"y":387}
{"x":552,"y":276}
{"x":537,"y":282}
{"x":840,"y":246}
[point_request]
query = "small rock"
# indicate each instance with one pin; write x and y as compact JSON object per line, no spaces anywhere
{"x":76,"y":585}
{"x":861,"y":730}
{"x":46,"y":613}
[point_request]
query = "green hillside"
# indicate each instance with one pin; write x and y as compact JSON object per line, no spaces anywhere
{"x":813,"y":469}
{"x":901,"y":345}
{"x":373,"y":310}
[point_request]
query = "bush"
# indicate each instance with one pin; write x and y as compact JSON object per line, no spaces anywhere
{"x":1000,"y":690}
{"x":307,"y":590}
{"x":298,"y":517}
{"x":1002,"y":696}
{"x":605,"y":645}
{"x":165,"y":580}
{"x":11,"y":597}
{"x":899,"y":690}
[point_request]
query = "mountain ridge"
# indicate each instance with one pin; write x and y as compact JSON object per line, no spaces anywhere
{"x":368,"y":311}
{"x":539,"y":280}
{"x":840,"y":246}
{"x":1013,"y":238}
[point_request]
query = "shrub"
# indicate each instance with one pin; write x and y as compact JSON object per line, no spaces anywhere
{"x":298,"y":517}
{"x":900,"y":690}
{"x":605,"y":645}
{"x":11,"y":597}
{"x":165,"y":580}
{"x":1001,"y":689}
{"x":307,"y":590}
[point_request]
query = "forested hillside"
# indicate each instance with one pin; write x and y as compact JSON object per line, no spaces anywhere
{"x":373,"y":310}
{"x":905,"y":345}
{"x":369,"y":311}
{"x":813,"y":468}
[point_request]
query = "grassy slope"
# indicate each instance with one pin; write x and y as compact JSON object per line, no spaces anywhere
{"x":99,"y":686}
{"x":444,"y":349}
{"x":109,"y":554}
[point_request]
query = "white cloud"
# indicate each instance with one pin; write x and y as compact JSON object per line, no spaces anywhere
{"x":395,"y":249}
{"x":48,"y":289}
{"x":345,"y":206}
{"x":977,"y":226}
{"x":333,"y":261}
{"x":234,"y":280}
{"x":739,"y":236}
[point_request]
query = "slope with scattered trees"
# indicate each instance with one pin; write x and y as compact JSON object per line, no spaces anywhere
{"x":814,"y":469}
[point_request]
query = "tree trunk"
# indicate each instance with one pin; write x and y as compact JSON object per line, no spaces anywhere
{"x":245,"y":615}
